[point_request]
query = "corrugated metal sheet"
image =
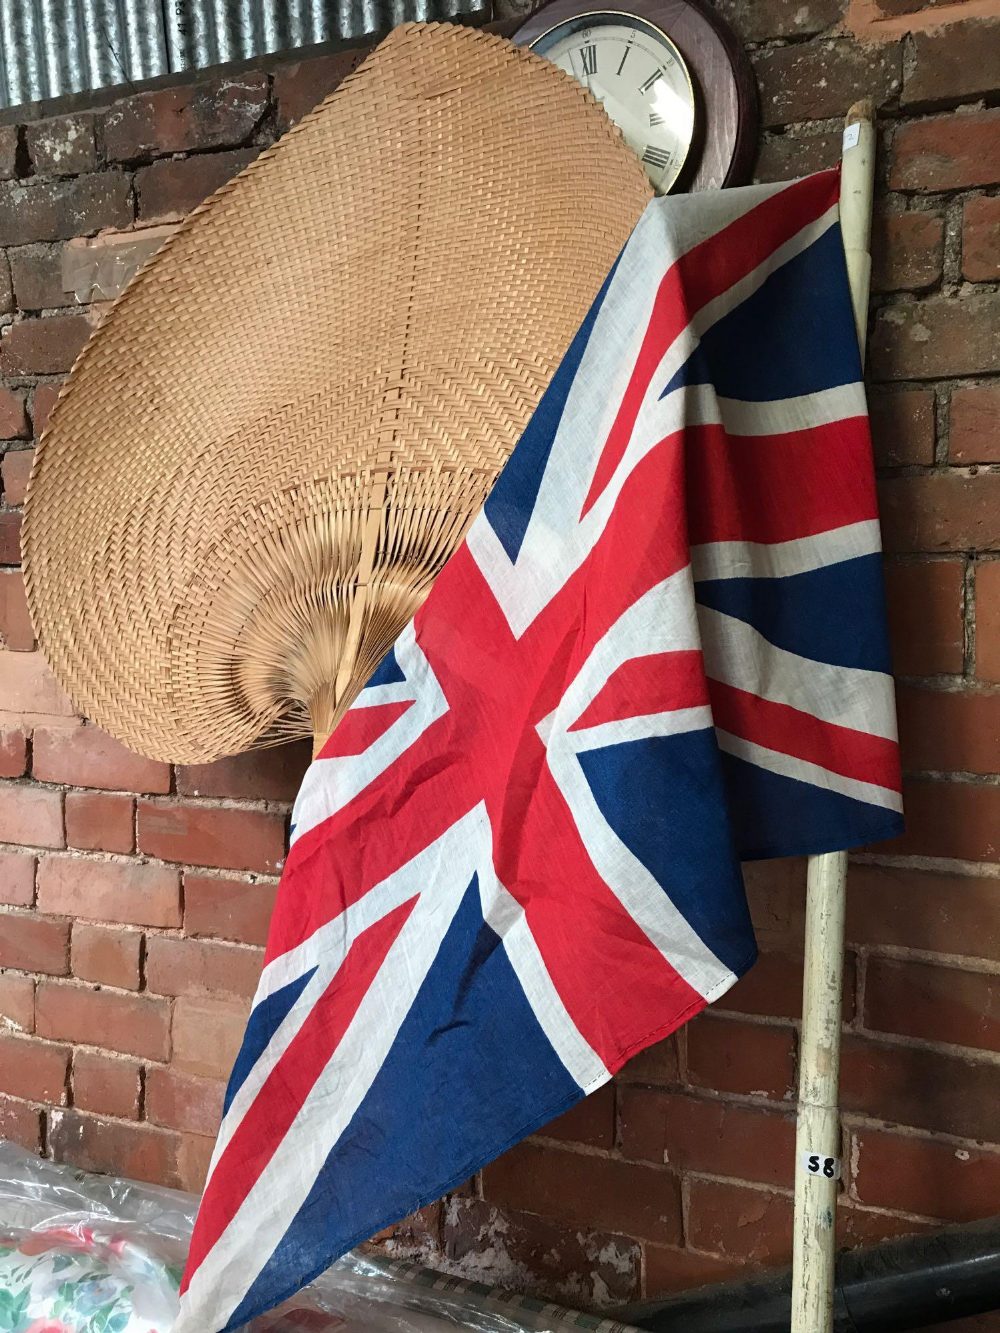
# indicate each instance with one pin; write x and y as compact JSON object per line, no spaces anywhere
{"x":52,"y":47}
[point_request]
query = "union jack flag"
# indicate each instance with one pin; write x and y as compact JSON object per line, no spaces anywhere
{"x":516,"y":863}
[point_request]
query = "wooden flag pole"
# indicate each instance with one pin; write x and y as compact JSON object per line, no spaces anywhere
{"x":817,"y":1148}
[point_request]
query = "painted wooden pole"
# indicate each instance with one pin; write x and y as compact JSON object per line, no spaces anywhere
{"x":817,"y":1147}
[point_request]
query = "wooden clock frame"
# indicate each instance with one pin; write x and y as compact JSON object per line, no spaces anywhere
{"x":726,"y":108}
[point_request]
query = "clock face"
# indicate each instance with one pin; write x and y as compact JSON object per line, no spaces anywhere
{"x":639,"y":76}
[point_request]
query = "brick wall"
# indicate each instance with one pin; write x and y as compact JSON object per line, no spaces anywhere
{"x":136,"y":897}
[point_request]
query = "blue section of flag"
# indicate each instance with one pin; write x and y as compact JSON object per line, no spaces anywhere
{"x":264,"y":1021}
{"x":833,"y":615}
{"x":773,"y":345}
{"x":657,"y":794}
{"x":825,"y":820}
{"x":468,"y":1049}
{"x":509,"y":505}
{"x":388,"y":671}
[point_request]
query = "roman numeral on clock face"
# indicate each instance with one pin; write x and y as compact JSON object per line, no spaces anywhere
{"x":656,"y":119}
{"x":656,"y":157}
{"x":653,"y":78}
{"x":588,"y":58}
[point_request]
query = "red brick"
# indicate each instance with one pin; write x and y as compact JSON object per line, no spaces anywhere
{"x":16,"y":470}
{"x":115,"y":1147}
{"x":658,"y":1064}
{"x":17,"y":879}
{"x":13,"y":417}
{"x":42,"y":404}
{"x":17,"y":1002}
{"x":753,"y":1225}
{"x":228,"y":909}
{"x":170,"y":188}
{"x":981,"y":240}
{"x":8,"y":151}
{"x":640,"y":1201}
{"x":258,"y":775}
{"x":796,"y":153}
{"x":591,"y":1121}
{"x":120,"y":891}
{"x":956,"y":62}
{"x":764,"y":20}
{"x":299,"y":87}
{"x":926,"y":1088}
{"x":56,"y":210}
{"x":751,"y":1058}
{"x":926,"y":604}
{"x":16,"y":633}
{"x":37,"y":274}
{"x":924,"y":1176}
{"x":184,"y":1101}
{"x":45,"y":346}
{"x":207,"y":835}
{"x":86,"y":756}
{"x":947,"y":152}
{"x":975,"y":423}
{"x":35,"y":1070}
{"x":133,"y":1024}
{"x":98,"y":821}
{"x":949,"y":730}
{"x":13,"y":752}
{"x":217,"y":114}
{"x":107,"y":1084}
{"x":857,"y":1225}
{"x":902,"y":424}
{"x":63,"y":145}
{"x":920,"y":909}
{"x":776,"y":892}
{"x":959,"y":820}
{"x":907,"y":251}
{"x":697,"y":1134}
{"x":940,"y":511}
{"x":193,"y":1160}
{"x":818,"y":80}
{"x":110,"y":956}
{"x":31,"y":815}
{"x":10,"y":538}
{"x":935,"y":1003}
{"x":207,"y":1034}
{"x":28,"y":686}
{"x":34,"y":943}
{"x":21,"y":1123}
{"x":670,"y":1270}
{"x":988,"y":620}
{"x":201,"y":967}
{"x":556,"y":1262}
{"x":15,"y":622}
{"x":936,"y":338}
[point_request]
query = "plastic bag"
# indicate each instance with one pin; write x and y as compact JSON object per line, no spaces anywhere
{"x":82,"y":1253}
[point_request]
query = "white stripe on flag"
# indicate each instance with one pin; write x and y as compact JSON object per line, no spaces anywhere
{"x":774,"y":560}
{"x":736,"y":654}
{"x":789,"y":766}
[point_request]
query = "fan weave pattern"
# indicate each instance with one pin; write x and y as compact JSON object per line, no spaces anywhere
{"x":286,"y":423}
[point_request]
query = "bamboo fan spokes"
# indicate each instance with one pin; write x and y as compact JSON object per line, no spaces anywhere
{"x":284,"y":427}
{"x":291,"y":613}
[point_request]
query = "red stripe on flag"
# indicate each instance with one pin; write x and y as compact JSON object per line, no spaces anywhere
{"x":361,"y":727}
{"x":704,"y":273}
{"x":843,"y":750}
{"x":643,"y":686}
{"x":767,"y":488}
{"x":270,"y":1115}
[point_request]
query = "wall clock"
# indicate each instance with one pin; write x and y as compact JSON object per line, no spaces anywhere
{"x":670,"y":73}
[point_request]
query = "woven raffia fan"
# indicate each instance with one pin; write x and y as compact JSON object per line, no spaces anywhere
{"x":288,"y":420}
